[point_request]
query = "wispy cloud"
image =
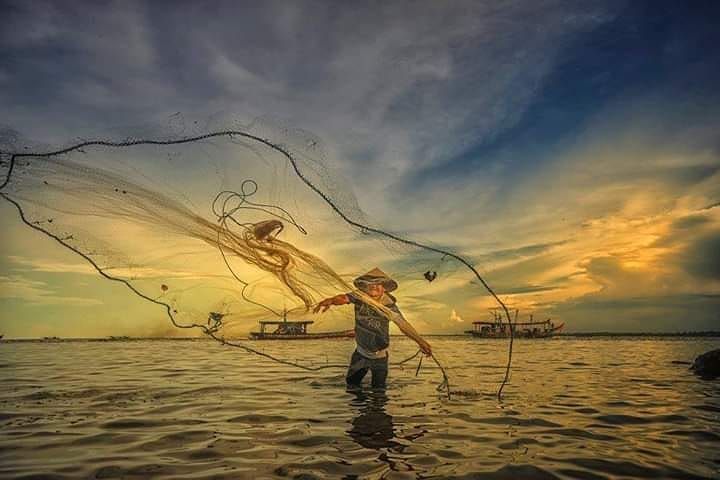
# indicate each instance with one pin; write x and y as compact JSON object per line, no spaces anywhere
{"x":129,"y":271}
{"x":39,"y":293}
{"x":51,"y":266}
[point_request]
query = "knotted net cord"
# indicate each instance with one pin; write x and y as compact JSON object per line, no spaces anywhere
{"x":212,"y":327}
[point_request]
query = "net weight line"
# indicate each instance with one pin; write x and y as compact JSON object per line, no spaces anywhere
{"x":284,"y":152}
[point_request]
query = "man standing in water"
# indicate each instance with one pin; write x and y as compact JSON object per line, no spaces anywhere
{"x":372,"y":333}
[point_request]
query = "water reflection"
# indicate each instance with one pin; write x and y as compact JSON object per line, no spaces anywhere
{"x":372,"y":427}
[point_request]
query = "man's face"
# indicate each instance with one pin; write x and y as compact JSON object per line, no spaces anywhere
{"x":375,"y":290}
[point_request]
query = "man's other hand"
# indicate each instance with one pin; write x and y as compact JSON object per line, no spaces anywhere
{"x":425,"y":347}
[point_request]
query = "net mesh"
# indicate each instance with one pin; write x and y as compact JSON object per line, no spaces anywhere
{"x":227,"y":227}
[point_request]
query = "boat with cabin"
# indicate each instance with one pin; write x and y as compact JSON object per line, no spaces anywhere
{"x":294,"y":330}
{"x":499,"y":329}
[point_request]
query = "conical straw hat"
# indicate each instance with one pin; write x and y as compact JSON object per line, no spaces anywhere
{"x":376,"y":276}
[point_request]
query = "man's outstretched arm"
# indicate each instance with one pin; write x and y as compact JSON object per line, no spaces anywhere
{"x":341,"y":299}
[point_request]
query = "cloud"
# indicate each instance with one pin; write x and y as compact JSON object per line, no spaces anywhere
{"x":690,"y":222}
{"x":510,"y":255}
{"x":51,"y":266}
{"x":674,"y":312}
{"x":134,"y":272}
{"x":702,"y":257}
{"x":520,"y":289}
{"x":422,"y":106}
{"x":39,"y":293}
{"x":398,"y":90}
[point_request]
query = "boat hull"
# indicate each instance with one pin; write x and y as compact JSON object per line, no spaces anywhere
{"x":304,"y":336}
{"x":517,"y":334}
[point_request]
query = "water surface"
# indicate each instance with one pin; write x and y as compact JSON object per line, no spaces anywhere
{"x":575,"y":409}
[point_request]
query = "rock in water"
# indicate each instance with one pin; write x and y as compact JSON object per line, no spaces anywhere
{"x":707,"y":365}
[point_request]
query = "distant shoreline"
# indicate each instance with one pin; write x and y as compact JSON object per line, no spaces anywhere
{"x":703,"y":334}
{"x":709,"y":333}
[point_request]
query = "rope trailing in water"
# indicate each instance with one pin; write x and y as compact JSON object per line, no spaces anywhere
{"x":293,"y":162}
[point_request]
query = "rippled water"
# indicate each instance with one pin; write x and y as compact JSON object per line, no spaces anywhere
{"x":575,"y":408}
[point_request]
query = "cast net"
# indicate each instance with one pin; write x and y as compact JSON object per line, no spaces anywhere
{"x":224,"y":227}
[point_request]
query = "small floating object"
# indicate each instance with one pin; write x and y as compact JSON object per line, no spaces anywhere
{"x":164,"y":287}
{"x":214,"y":322}
{"x":430,"y":276}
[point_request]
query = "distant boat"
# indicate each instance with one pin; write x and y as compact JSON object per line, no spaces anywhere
{"x":499,"y":329}
{"x":294,"y":330}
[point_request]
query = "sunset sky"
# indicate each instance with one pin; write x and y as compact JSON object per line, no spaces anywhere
{"x":570,"y":149}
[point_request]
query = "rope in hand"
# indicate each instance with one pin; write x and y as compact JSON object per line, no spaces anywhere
{"x":444,"y":385}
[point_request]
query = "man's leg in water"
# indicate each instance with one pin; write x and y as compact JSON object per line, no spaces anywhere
{"x":379,"y":371}
{"x":359,"y":366}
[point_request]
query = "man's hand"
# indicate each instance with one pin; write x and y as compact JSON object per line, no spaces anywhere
{"x":341,"y":299}
{"x":425,"y":347}
{"x":325,"y":304}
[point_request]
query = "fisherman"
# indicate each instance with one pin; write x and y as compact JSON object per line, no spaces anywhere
{"x":372,"y":327}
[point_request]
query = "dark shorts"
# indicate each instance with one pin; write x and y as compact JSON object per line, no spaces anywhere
{"x":359,"y":367}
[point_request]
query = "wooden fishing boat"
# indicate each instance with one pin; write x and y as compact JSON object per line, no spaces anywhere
{"x":499,"y":329}
{"x":294,"y":330}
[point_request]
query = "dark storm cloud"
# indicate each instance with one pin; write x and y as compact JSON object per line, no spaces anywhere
{"x":690,"y":222}
{"x":649,"y":302}
{"x":686,"y":230}
{"x":702,"y":257}
{"x":685,"y":312}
